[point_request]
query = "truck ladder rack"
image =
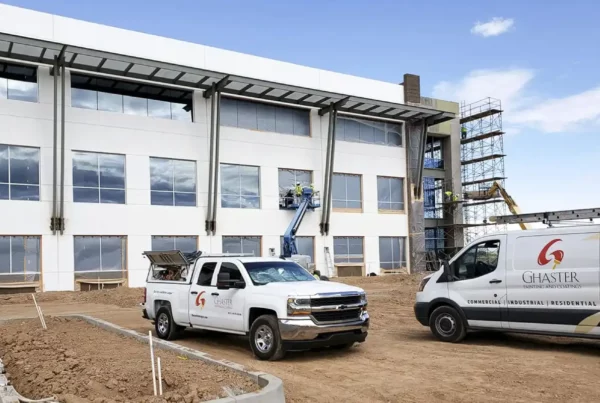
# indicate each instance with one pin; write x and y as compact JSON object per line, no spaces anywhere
{"x":548,"y":217}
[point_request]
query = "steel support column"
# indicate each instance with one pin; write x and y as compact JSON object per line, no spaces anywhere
{"x":62,"y":148}
{"x":53,"y":225}
{"x":211,"y":166}
{"x":329,"y":162}
{"x":217,"y":161}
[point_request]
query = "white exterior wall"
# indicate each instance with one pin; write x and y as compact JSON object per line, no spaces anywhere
{"x":138,"y":137}
{"x":31,"y":124}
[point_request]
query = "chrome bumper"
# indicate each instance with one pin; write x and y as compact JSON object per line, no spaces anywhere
{"x":306,"y":329}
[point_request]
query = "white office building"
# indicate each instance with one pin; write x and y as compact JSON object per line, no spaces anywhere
{"x":114,"y":142}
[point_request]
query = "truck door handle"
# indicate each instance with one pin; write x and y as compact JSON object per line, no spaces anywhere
{"x":495,"y":281}
{"x":215,"y":294}
{"x":194,"y":292}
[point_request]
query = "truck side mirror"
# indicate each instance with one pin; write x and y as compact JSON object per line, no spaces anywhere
{"x":223,"y":281}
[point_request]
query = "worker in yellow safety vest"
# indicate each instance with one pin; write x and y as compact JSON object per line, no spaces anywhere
{"x":463,"y":132}
{"x":298,"y":189}
{"x":450,"y":196}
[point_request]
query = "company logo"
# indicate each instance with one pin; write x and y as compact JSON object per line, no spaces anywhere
{"x":557,"y":256}
{"x":200,"y":301}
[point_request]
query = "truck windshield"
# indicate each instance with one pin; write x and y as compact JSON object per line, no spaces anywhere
{"x":263,"y":273}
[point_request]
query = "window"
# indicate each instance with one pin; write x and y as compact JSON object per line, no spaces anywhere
{"x":264,"y":117}
{"x":172,"y":182}
{"x":18,"y":82}
{"x":390,"y":193}
{"x":368,"y":131}
{"x":185,"y":244}
{"x":100,"y":258}
{"x":306,"y":246}
{"x":433,"y":154}
{"x":434,"y":239}
{"x":348,"y":249}
{"x":240,"y":186}
{"x":280,"y":271}
{"x":242,"y":244}
{"x":20,"y":259}
{"x":98,"y":178}
{"x":433,"y":197}
{"x":392,"y":252}
{"x":289,"y":177}
{"x":479,"y":260}
{"x":232,"y":269}
{"x":347,"y":191}
{"x":19,"y":173}
{"x":206,"y":273}
{"x":106,"y":94}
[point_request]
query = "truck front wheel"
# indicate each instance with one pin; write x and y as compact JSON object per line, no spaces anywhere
{"x":165,"y":328}
{"x":447,"y":324}
{"x":265,"y":339}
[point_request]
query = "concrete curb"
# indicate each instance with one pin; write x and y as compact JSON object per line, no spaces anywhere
{"x":272,"y":387}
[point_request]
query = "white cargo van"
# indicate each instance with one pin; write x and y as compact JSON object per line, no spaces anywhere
{"x":542,"y":281}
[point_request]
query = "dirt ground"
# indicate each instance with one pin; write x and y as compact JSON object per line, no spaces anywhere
{"x":78,"y":363}
{"x":399,"y":362}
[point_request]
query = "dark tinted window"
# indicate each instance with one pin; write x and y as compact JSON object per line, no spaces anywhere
{"x":206,"y":273}
{"x":234,"y":272}
{"x":479,"y":260}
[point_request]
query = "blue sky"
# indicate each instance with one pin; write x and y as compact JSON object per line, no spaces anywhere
{"x":543,"y":67}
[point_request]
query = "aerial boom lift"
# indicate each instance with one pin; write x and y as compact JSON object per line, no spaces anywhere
{"x":301,"y":203}
{"x":493,"y":192}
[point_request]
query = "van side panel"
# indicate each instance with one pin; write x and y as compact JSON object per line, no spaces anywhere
{"x":553,"y":281}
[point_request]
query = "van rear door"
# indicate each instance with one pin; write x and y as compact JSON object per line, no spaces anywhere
{"x":553,"y":281}
{"x":478,"y":283}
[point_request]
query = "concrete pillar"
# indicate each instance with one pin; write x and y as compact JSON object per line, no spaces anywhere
{"x":416,"y":220}
{"x":451,"y":154}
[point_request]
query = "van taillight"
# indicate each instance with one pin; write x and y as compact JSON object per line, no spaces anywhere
{"x":144,"y":295}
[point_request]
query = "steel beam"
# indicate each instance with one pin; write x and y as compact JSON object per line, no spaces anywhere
{"x":217,"y":161}
{"x":216,"y":87}
{"x":62,"y":146}
{"x":54,"y":149}
{"x":334,"y":106}
{"x":209,"y":212}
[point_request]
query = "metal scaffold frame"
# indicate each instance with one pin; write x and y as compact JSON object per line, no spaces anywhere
{"x":482,"y":164}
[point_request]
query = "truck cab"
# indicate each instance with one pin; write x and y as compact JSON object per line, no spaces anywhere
{"x":543,"y":281}
{"x":274,"y":301}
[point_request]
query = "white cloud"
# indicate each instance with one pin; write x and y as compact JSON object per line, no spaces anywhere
{"x":522,"y":108}
{"x":505,"y":85}
{"x":494,"y":27}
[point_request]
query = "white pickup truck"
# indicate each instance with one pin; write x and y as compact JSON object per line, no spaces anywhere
{"x":276,"y":302}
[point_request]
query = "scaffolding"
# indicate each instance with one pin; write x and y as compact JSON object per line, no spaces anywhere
{"x":482,"y":164}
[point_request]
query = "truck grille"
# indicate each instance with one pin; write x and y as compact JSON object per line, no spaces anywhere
{"x":336,"y":316}
{"x":333,"y":301}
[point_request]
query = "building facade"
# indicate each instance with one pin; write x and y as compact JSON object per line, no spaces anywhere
{"x":112,"y":147}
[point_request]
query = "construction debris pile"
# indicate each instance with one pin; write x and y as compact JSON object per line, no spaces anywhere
{"x":77,"y":362}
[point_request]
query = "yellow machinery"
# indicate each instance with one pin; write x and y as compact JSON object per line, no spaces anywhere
{"x":496,"y":190}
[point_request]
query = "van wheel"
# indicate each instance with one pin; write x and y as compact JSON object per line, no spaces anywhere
{"x":447,"y":324}
{"x":165,"y":328}
{"x":265,"y":339}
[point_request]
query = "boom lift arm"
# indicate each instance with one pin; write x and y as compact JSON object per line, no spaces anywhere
{"x":492,"y":192}
{"x":306,"y":201}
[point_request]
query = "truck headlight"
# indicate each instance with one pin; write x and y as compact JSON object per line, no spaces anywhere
{"x":298,"y":306}
{"x":423,"y":283}
{"x":363,"y":300}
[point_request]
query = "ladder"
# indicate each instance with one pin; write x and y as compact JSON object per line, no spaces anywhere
{"x":329,"y":262}
{"x":548,"y":217}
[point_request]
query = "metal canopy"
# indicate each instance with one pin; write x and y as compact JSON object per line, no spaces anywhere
{"x":94,"y":61}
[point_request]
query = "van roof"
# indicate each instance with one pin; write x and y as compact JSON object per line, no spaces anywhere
{"x":548,"y":230}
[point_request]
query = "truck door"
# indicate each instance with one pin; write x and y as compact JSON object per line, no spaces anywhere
{"x":478,"y":284}
{"x":553,"y":282}
{"x":199,"y":306}
{"x":229,"y":303}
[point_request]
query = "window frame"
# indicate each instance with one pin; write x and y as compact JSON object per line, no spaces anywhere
{"x":385,"y":130}
{"x":8,"y":77}
{"x":260,"y":242}
{"x":220,"y":190}
{"x":454,"y":269}
{"x":276,"y":105}
{"x":99,"y":188}
{"x":348,"y":209}
{"x":212,"y":277}
{"x":402,"y":192}
{"x":39,"y":174}
{"x":174,"y":237}
{"x":348,"y":237}
{"x":38,"y":273}
{"x":173,"y":192}
{"x":403,"y":264}
{"x":123,"y":92}
{"x":124,"y":257}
